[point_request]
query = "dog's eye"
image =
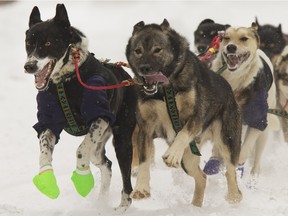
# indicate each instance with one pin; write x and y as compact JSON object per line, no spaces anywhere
{"x":48,"y":43}
{"x":243,"y":39}
{"x":225,"y":38}
{"x":272,"y":45}
{"x":28,"y":43}
{"x":138,"y":51}
{"x":157,"y":50}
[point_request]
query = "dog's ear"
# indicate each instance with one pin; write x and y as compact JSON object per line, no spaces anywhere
{"x":61,"y":16}
{"x":34,"y":17}
{"x":256,"y":22}
{"x":137,"y":27}
{"x":206,"y":21}
{"x":226,"y":26}
{"x":279,"y":29}
{"x":254,"y":28}
{"x":165,"y":25}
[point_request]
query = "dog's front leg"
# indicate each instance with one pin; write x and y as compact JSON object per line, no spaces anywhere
{"x":45,"y":181}
{"x":82,"y":177}
{"x":100,"y":135}
{"x":144,"y":149}
{"x":174,"y":153}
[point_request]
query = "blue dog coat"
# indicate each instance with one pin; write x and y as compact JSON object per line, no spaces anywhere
{"x":256,"y":109}
{"x":85,"y":104}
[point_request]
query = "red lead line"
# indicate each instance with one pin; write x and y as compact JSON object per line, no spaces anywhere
{"x":129,"y":82}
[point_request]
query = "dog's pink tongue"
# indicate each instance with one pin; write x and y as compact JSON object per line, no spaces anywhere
{"x":41,"y":78}
{"x":232,"y":61}
{"x":40,"y":81}
{"x":157,"y":77}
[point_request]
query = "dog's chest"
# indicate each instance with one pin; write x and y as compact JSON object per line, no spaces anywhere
{"x":238,"y":81}
{"x":157,"y":116}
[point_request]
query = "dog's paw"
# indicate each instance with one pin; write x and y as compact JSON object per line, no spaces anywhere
{"x":47,"y":184}
{"x":137,"y":194}
{"x":234,"y":198}
{"x":170,"y":161}
{"x":125,"y":203}
{"x":172,"y":158}
{"x":83,"y":183}
{"x":212,"y":167}
{"x":197,"y":202}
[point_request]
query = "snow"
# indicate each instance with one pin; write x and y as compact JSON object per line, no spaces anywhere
{"x":108,"y":25}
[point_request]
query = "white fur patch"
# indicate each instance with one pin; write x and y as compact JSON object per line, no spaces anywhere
{"x":61,"y":70}
{"x":41,"y":63}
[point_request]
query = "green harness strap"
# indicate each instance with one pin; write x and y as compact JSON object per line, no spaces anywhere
{"x":72,"y":126}
{"x":174,"y":115}
{"x":278,"y":112}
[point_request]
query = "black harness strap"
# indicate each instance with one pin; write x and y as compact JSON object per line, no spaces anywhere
{"x":174,"y":115}
{"x":72,"y":127}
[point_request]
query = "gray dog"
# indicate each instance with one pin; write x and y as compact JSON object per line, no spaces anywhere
{"x":181,"y":100}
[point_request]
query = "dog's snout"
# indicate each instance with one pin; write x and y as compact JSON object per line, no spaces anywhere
{"x":145,"y":68}
{"x":231,"y":48}
{"x":31,"y":66}
{"x":201,"y":49}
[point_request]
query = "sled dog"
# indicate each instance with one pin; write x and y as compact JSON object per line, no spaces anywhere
{"x":250,"y":74}
{"x":204,"y":34}
{"x":168,"y":73}
{"x":281,"y":81}
{"x":272,"y":40}
{"x":63,"y":103}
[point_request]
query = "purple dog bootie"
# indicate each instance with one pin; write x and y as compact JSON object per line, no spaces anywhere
{"x":212,"y":167}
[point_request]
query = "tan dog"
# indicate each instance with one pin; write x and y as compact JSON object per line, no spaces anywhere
{"x":250,"y":74}
{"x":281,"y":81}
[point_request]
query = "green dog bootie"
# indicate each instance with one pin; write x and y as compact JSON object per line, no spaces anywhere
{"x":83,"y":181}
{"x":46,"y":183}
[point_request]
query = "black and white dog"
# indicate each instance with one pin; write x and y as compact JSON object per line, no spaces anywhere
{"x":204,"y":34}
{"x":63,"y":103}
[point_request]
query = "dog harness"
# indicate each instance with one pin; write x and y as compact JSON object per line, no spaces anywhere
{"x":256,"y":109}
{"x":174,"y":115}
{"x":73,"y":127}
{"x":69,"y":106}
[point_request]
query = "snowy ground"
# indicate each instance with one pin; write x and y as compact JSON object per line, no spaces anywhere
{"x":108,"y":25}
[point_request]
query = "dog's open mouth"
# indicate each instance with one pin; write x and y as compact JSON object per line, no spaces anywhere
{"x":234,"y":61}
{"x":151,"y":81}
{"x":42,"y":77}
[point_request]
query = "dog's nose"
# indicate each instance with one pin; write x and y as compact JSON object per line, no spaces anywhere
{"x":231,"y":48}
{"x":201,"y":49}
{"x":145,"y":68}
{"x":30,"y":66}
